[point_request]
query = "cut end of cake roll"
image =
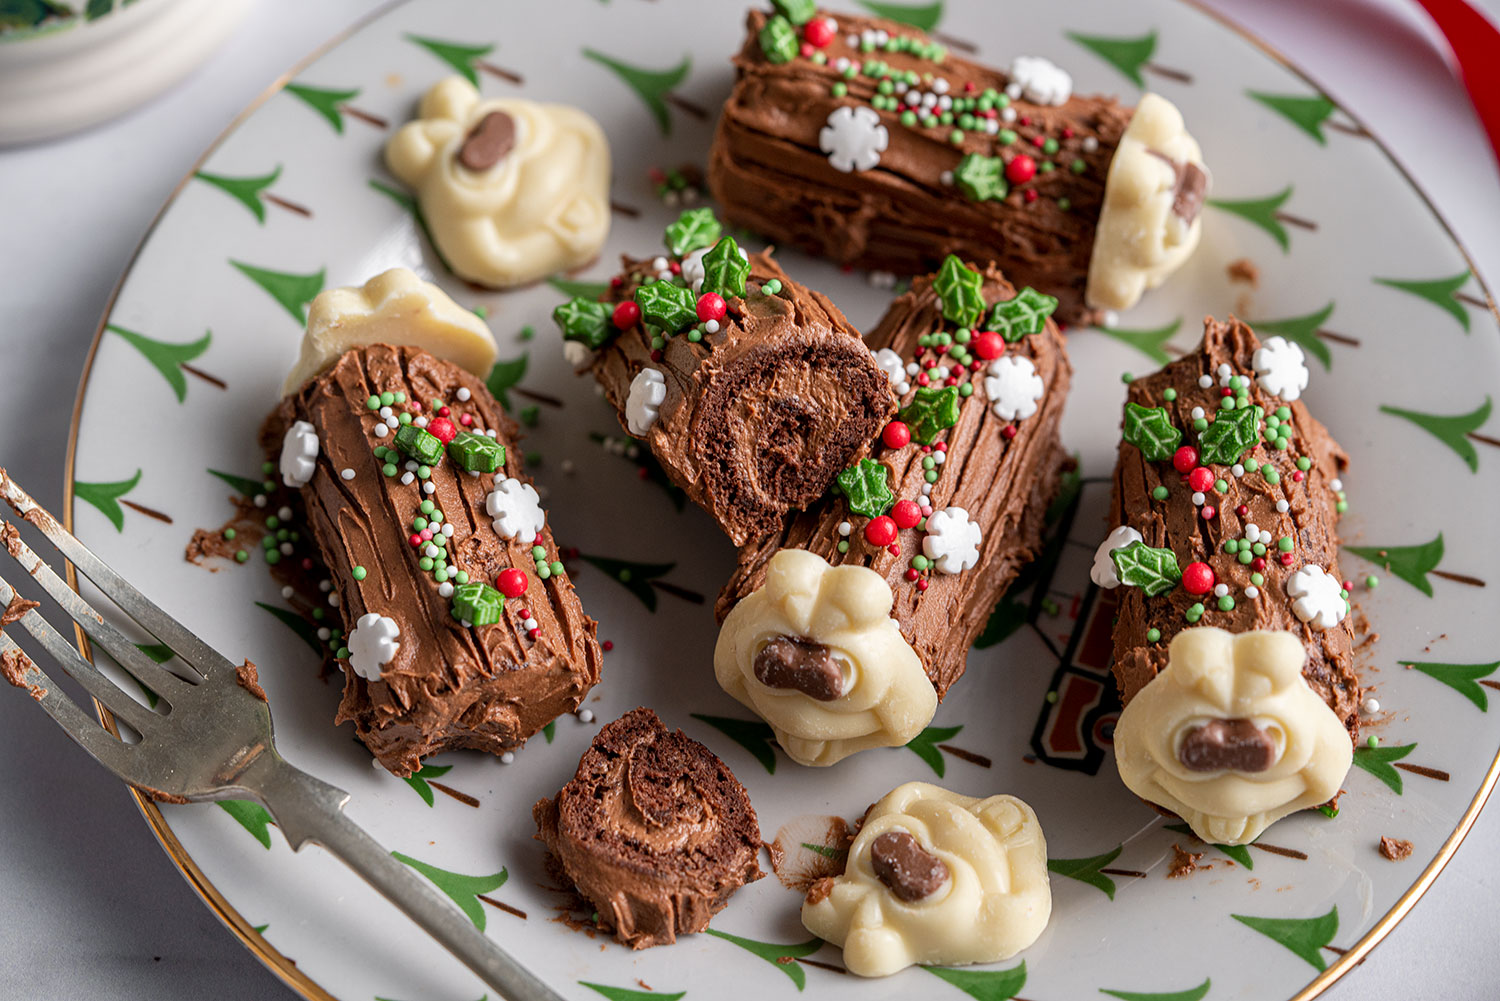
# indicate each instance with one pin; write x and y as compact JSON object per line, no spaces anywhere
{"x":653,"y":829}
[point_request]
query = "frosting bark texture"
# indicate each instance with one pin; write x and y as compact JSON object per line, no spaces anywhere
{"x":861,"y":169}
{"x":653,"y":829}
{"x":484,"y":687}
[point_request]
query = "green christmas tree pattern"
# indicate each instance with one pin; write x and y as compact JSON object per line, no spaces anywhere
{"x":654,"y":87}
{"x":1380,"y":761}
{"x":170,"y":359}
{"x":465,"y":891}
{"x":504,"y":377}
{"x":252,"y":192}
{"x":642,"y":579}
{"x":1465,"y":679}
{"x":1307,"y":332}
{"x":293,"y":291}
{"x":304,"y":629}
{"x":1240,"y":853}
{"x":630,"y":993}
{"x":1413,"y":563}
{"x":928,"y":745}
{"x":333,"y":105}
{"x":1131,"y":56}
{"x":467,"y":60}
{"x":252,"y":817}
{"x":754,"y":736}
{"x":584,"y":290}
{"x":923,"y":17}
{"x":1306,"y":937}
{"x":983,"y":985}
{"x":418,"y":780}
{"x":1266,"y":213}
{"x":1151,"y":343}
{"x":107,"y":497}
{"x":1191,"y":994}
{"x":243,"y":485}
{"x":1089,"y":870}
{"x":783,"y":957}
{"x":1441,"y":292}
{"x":1310,"y":113}
{"x":1457,"y":431}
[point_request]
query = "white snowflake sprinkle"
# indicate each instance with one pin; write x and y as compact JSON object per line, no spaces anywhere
{"x":1317,"y":600}
{"x":1280,"y":368}
{"x":516,"y":510}
{"x":1041,"y":80}
{"x":952,"y":540}
{"x":1103,"y":572}
{"x":299,"y":454}
{"x":1013,"y":387}
{"x":372,"y":644}
{"x":853,"y":138}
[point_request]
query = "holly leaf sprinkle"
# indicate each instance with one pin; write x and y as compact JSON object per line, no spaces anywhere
{"x":693,"y":230}
{"x":866,"y":488}
{"x":478,"y":604}
{"x":1230,"y":435}
{"x":931,"y":411}
{"x":778,"y":39}
{"x":585,"y":321}
{"x":668,"y":305}
{"x":959,"y":287}
{"x":796,"y":11}
{"x":724,"y":270}
{"x":1152,"y":570}
{"x":1150,"y":430}
{"x":1025,"y":313}
{"x":981,"y":178}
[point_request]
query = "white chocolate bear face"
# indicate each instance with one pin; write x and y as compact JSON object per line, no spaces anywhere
{"x":540,"y":208}
{"x":994,"y":901}
{"x":1149,"y":223}
{"x":828,"y":620}
{"x":1286,"y":749}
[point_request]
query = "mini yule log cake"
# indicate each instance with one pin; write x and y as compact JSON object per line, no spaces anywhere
{"x":865,"y":141}
{"x":461,"y":629}
{"x":1224,"y":513}
{"x":511,"y":191}
{"x":935,"y":878}
{"x":844,"y":629}
{"x":751,"y":390}
{"x":653,"y":829}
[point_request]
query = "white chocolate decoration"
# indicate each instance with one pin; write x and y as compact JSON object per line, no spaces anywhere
{"x":1103,"y":572}
{"x":648,"y":390}
{"x":1319,"y":599}
{"x":394,"y":307}
{"x":853,"y":138}
{"x":1288,"y":750}
{"x":299,"y":454}
{"x":373,"y":644}
{"x":1041,"y":80}
{"x":516,"y":509}
{"x":1144,"y":232}
{"x":1280,"y":367}
{"x":885,"y":698}
{"x":511,"y":190}
{"x":1013,"y":387}
{"x":952,"y":540}
{"x":995,"y":901}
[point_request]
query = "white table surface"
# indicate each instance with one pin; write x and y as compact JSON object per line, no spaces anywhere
{"x":85,"y":914}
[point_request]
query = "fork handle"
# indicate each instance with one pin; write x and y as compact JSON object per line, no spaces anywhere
{"x":307,"y":809}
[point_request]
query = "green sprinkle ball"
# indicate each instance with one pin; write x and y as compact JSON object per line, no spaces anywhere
{"x":1226,"y":604}
{"x":1169,"y":394}
{"x":1372,"y":582}
{"x":229,"y":534}
{"x":358,"y":573}
{"x":1153,"y":635}
{"x":241,"y":556}
{"x":1160,"y":493}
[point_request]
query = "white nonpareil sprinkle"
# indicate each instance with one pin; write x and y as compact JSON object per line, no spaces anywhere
{"x":1265,"y":537}
{"x":1197,"y":412}
{"x":1370,"y":706}
{"x":711,"y":326}
{"x":491,"y":432}
{"x":430,"y":551}
{"x":529,"y":624}
{"x":1013,"y":91}
{"x":347,"y":474}
{"x":287,"y":593}
{"x":1008,"y":115}
{"x":945,"y":103}
{"x":1252,"y":532}
{"x":324,"y":633}
{"x":1252,"y":592}
{"x":445,"y":590}
{"x":946,"y":177}
{"x":1224,"y":370}
{"x":447,"y":531}
{"x":420,"y":422}
{"x":286,"y":549}
{"x":658,"y":264}
{"x":901,"y":87}
{"x":912,"y":368}
{"x":260,"y":500}
{"x":406,"y":479}
{"x":1205,"y":381}
{"x":940,"y":85}
{"x":284,"y":513}
{"x":1220,"y":590}
{"x":463,"y":395}
{"x":1238,"y":470}
{"x":507,"y":758}
{"x":385,"y":413}
{"x":842,"y":63}
{"x":325,"y":586}
{"x":411,"y":465}
{"x":929,"y":100}
{"x":938,"y":458}
{"x":1336,"y":485}
{"x":381,"y":430}
{"x":1090,"y":143}
{"x":1282,"y":506}
{"x":991,"y":126}
{"x":845,"y":528}
{"x":1198,"y":499}
{"x":429,"y":487}
{"x":392,"y":423}
{"x":926,"y":489}
{"x":333,"y":600}
{"x":585,"y":716}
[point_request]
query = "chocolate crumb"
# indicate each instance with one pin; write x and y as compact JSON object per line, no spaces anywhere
{"x":249,"y":680}
{"x":1184,"y":863}
{"x":1395,"y":849}
{"x":1244,"y":270}
{"x":17,"y":608}
{"x":819,"y":891}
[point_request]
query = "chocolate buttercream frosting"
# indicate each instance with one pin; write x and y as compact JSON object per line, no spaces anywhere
{"x":1269,"y":475}
{"x":760,"y":416}
{"x":1002,"y":472}
{"x":486,"y":687}
{"x":653,"y":829}
{"x":769,"y":174}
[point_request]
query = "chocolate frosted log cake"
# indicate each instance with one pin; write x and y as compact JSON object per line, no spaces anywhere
{"x":653,"y":829}
{"x":751,"y":389}
{"x":844,"y":629}
{"x":865,"y":141}
{"x":1233,"y":646}
{"x":461,"y":629}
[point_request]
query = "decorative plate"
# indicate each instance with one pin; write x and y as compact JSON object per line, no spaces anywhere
{"x":1353,"y":265}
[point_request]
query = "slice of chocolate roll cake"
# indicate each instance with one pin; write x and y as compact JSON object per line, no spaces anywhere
{"x":751,"y":389}
{"x":844,"y":629}
{"x":653,"y":829}
{"x":461,"y":630}
{"x":865,"y":141}
{"x":1233,"y":645}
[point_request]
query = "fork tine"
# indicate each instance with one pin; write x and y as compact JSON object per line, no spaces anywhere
{"x":143,"y":610}
{"x":86,"y":674}
{"x":145,"y":670}
{"x":107,"y":749}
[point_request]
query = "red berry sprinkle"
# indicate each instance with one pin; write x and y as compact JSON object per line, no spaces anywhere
{"x":819,"y":31}
{"x":922,"y":584}
{"x":1348,"y":585}
{"x":1031,"y":194}
{"x":1201,"y":479}
{"x":988,"y":346}
{"x":607,"y":645}
{"x":711,"y":307}
{"x":941,"y":446}
{"x":465,"y":420}
{"x":443,"y":411}
{"x":657,"y":355}
{"x":923,"y":379}
{"x":912,"y":574}
{"x":1021,"y":169}
{"x":896,"y":435}
{"x":1024,"y":120}
{"x":1209,"y":511}
{"x":1258,"y":564}
{"x":1184,"y":459}
{"x":442,"y":429}
{"x":415,"y":540}
{"x":1038,"y":141}
{"x":1008,"y":432}
{"x":627,"y":314}
{"x":881,"y":531}
{"x":1297,"y":476}
{"x":806,"y":50}
{"x":1067,"y":133}
{"x":511,"y":582}
{"x":535,"y":633}
{"x":1286,"y":559}
{"x":1198,"y":578}
{"x":1225,"y":391}
{"x":906,"y":514}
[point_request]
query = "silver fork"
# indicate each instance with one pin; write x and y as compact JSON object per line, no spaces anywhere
{"x":214,"y":740}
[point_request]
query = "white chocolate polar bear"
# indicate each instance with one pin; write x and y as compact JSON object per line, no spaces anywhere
{"x":993,"y":901}
{"x":539,"y":207}
{"x":1149,"y":224}
{"x":881,"y":696}
{"x":1214,"y":678}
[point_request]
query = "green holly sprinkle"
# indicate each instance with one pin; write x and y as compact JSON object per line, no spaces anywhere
{"x":585,"y":321}
{"x":478,"y":604}
{"x":796,"y":11}
{"x":1024,"y":313}
{"x":419,"y":444}
{"x":1232,"y":433}
{"x":865,"y":486}
{"x":959,"y":287}
{"x":474,"y":453}
{"x":1150,"y":430}
{"x":667,"y":305}
{"x":725,"y":270}
{"x":931,"y":411}
{"x":693,"y":230}
{"x":981,"y":178}
{"x":778,"y":40}
{"x":1154,"y":571}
